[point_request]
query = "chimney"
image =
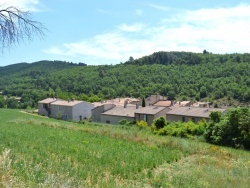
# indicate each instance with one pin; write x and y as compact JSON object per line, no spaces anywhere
{"x":137,"y":106}
{"x":125,"y":103}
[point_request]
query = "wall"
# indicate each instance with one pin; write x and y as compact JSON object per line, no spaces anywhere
{"x":114,"y":120}
{"x":42,"y":110}
{"x":86,"y":108}
{"x":60,"y":112}
{"x":151,"y":117}
{"x":154,"y":99}
{"x":170,"y":117}
{"x":95,"y":113}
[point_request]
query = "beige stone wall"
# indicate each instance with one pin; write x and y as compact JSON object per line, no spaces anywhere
{"x":63,"y":112}
{"x":187,"y":118}
{"x":42,"y":110}
{"x":114,"y":120}
{"x":95,"y":113}
{"x":146,"y":117}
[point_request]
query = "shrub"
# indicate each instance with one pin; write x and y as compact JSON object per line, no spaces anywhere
{"x":126,"y":122}
{"x":141,"y":124}
{"x":184,"y":130}
{"x":123,"y":122}
{"x":160,"y":122}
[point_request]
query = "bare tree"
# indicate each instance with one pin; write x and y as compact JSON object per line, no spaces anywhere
{"x":16,"y":26}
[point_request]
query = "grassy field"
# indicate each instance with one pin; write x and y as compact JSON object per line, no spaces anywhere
{"x":41,"y":152}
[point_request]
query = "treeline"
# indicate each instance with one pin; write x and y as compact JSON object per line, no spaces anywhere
{"x":220,"y":79}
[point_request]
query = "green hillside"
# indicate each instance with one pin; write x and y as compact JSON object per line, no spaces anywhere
{"x":223,"y":80}
{"x":40,"y":152}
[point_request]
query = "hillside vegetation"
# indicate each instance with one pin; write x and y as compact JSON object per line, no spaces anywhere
{"x":42,"y":152}
{"x":221,"y":79}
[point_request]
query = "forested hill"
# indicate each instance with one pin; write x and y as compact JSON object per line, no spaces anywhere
{"x":187,"y":58}
{"x":177,"y":75}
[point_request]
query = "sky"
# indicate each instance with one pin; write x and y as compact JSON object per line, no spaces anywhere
{"x":105,"y":32}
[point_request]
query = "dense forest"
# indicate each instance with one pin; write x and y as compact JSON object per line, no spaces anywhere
{"x":220,"y":79}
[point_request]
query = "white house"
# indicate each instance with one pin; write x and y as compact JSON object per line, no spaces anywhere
{"x":67,"y":110}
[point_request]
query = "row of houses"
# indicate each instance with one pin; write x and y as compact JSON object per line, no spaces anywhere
{"x":113,"y":111}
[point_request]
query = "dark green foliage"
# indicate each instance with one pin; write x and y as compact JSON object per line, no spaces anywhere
{"x":184,"y":130}
{"x":123,"y":122}
{"x":2,"y":102}
{"x":160,"y":122}
{"x":143,"y":102}
{"x":176,"y":75}
{"x":232,"y":129}
{"x":126,"y":122}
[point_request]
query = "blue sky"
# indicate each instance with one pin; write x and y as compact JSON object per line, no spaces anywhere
{"x":110,"y":31}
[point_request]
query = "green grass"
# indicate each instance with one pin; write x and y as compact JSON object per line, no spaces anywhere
{"x":41,"y":152}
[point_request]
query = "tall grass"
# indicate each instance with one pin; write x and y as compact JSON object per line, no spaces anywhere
{"x":41,"y":152}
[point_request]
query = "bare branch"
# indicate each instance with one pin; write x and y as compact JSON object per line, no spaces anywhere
{"x":17,"y":26}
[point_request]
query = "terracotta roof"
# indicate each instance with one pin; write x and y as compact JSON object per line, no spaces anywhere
{"x":194,"y":111}
{"x":48,"y":100}
{"x":184,"y":103}
{"x":163,"y":103}
{"x":66,"y":103}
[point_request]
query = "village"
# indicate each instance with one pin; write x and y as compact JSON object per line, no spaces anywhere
{"x":130,"y":109}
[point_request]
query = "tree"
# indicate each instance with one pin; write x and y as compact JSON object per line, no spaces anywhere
{"x":2,"y":102}
{"x":16,"y":26}
{"x":143,"y":102}
{"x":131,"y":59}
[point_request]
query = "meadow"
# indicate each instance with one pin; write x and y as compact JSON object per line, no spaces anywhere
{"x":41,"y":152}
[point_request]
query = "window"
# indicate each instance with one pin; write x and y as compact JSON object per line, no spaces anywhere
{"x":65,"y":116}
{"x":193,"y":119}
{"x":107,"y":121}
{"x":145,"y":118}
{"x":183,"y":119}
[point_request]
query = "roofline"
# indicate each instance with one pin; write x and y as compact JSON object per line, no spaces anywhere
{"x":164,"y":107}
{"x":116,"y":115}
{"x":188,"y":115}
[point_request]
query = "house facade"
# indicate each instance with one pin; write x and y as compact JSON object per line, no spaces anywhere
{"x":151,"y":100}
{"x":131,"y":113}
{"x":96,"y":111}
{"x":71,"y":110}
{"x":67,"y":110}
{"x":118,"y":113}
{"x":194,"y":114}
{"x":149,"y":113}
{"x":44,"y":106}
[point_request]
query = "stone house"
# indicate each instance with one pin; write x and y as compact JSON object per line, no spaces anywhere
{"x":194,"y":114}
{"x":67,"y":110}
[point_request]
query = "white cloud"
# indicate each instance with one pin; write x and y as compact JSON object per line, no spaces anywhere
{"x":163,"y":8}
{"x":131,"y":28}
{"x":26,"y":5}
{"x":220,"y":30}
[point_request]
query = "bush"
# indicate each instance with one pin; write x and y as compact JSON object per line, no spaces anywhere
{"x":141,"y":124}
{"x":160,"y":122}
{"x":123,"y":122}
{"x":184,"y":130}
{"x":126,"y":122}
